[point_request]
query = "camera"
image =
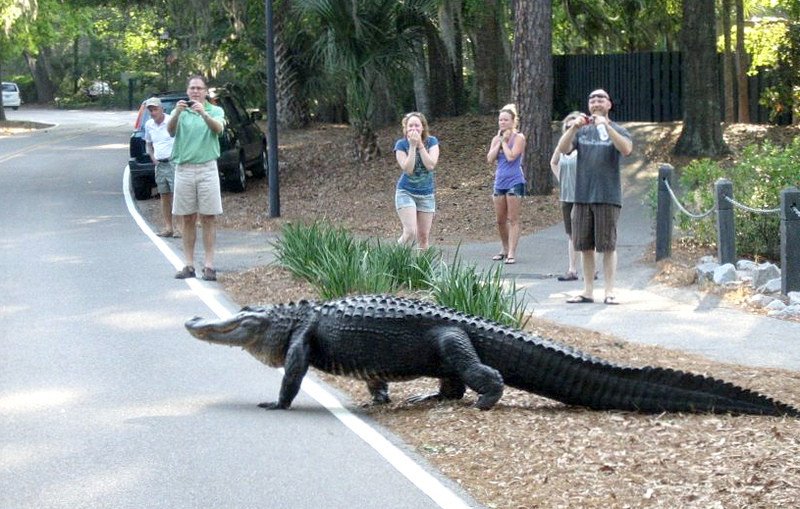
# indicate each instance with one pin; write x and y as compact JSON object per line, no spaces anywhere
{"x":190,"y":103}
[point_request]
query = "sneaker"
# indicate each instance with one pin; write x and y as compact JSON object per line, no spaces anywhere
{"x":209,"y":274}
{"x":185,"y":273}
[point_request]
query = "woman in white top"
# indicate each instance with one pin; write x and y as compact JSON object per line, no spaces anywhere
{"x":563,"y":166}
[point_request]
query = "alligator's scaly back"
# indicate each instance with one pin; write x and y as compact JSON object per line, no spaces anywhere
{"x":385,"y":338}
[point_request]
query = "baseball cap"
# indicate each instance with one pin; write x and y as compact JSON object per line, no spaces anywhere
{"x":153,"y":101}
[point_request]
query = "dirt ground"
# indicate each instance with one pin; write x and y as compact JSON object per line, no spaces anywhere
{"x":530,"y":452}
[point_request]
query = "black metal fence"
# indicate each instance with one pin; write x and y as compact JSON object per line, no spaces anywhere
{"x":646,"y":87}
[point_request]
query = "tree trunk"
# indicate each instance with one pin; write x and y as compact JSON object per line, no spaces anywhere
{"x":451,"y":35}
{"x":492,"y":66}
{"x":441,"y":88}
{"x":422,"y":96}
{"x":728,"y":74}
{"x":702,"y":132}
{"x":39,"y":67}
{"x":532,"y":89}
{"x":742,"y":64}
{"x":2,"y":108}
{"x":292,"y":109}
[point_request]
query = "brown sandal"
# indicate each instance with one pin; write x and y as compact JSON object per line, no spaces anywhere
{"x":209,"y":274}
{"x":186,"y":273}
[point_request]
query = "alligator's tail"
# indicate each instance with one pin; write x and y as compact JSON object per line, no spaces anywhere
{"x":596,"y":384}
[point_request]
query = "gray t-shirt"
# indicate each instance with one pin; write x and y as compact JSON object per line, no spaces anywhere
{"x":566,"y":176}
{"x":597,"y":175}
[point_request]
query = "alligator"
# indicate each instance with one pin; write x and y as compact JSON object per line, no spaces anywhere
{"x":382,"y":339}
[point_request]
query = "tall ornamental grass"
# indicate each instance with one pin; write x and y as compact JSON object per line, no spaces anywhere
{"x":337,"y":264}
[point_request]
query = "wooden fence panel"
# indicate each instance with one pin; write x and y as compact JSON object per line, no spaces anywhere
{"x":645,"y":87}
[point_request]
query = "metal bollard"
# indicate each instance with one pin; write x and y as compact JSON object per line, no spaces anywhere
{"x":790,"y":240}
{"x":726,"y":233}
{"x":664,"y":214}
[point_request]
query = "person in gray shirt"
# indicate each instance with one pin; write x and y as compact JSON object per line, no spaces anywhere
{"x":598,"y":190}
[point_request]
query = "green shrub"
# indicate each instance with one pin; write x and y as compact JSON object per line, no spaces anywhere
{"x":758,"y":178}
{"x":478,"y":293}
{"x":336,"y":264}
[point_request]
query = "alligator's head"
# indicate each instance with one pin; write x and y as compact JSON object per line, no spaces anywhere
{"x":263,"y":332}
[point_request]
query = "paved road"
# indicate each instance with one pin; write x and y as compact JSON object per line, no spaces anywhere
{"x":106,"y":401}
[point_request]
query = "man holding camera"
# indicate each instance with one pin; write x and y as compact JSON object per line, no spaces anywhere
{"x":196,"y":125}
{"x":598,"y":190}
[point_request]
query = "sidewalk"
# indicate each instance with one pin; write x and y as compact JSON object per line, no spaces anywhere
{"x":680,"y":319}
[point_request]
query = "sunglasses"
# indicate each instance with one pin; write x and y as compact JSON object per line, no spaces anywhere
{"x":598,"y":96}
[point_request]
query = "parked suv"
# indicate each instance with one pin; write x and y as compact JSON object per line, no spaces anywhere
{"x":11,"y":97}
{"x":243,"y":146}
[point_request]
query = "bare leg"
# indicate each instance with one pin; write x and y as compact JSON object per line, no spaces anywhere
{"x":408,"y":218}
{"x":209,"y":239}
{"x":501,"y":212}
{"x":166,"y":211}
{"x":573,"y":257}
{"x":189,"y":237}
{"x":424,"y":224}
{"x":588,"y":273}
{"x":513,"y":206}
{"x":609,"y":271}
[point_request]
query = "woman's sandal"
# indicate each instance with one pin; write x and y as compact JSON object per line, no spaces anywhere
{"x":499,"y":257}
{"x":511,"y":260}
{"x":580,"y":299}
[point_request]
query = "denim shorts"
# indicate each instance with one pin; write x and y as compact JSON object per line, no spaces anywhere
{"x":516,"y":190}
{"x":422,"y":202}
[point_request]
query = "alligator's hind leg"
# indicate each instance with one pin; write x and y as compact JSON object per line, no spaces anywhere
{"x":449,"y":388}
{"x":379,"y":390}
{"x":458,"y":356}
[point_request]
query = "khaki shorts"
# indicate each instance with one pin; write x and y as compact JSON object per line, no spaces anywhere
{"x":594,"y":226}
{"x":197,"y":189}
{"x":165,"y":177}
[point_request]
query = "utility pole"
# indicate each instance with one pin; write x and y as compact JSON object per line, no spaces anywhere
{"x":272,"y":118}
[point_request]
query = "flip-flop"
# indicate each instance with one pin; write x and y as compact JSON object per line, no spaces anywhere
{"x":611,"y":301}
{"x":510,"y":260}
{"x":499,"y":257}
{"x":167,"y":233}
{"x":579,"y":299}
{"x":569,"y":276}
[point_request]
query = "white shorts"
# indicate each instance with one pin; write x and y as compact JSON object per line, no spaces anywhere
{"x":197,"y":189}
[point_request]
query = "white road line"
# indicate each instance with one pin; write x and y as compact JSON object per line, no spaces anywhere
{"x":428,"y":484}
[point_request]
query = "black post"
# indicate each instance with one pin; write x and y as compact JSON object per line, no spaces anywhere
{"x":664,"y":214}
{"x":790,"y":240}
{"x":726,"y":234}
{"x":272,"y":118}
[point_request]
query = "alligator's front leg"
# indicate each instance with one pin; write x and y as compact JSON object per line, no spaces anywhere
{"x":295,"y":368}
{"x":379,"y":390}
{"x":459,"y":356}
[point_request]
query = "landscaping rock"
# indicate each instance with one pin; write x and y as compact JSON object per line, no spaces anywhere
{"x":724,"y":274}
{"x":765,"y":272}
{"x":760,"y":300}
{"x":748,"y":265}
{"x":705,"y":270}
{"x":794,"y":298}
{"x":772,"y":286}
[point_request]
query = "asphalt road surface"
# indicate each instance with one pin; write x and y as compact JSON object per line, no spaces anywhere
{"x":107,"y":402}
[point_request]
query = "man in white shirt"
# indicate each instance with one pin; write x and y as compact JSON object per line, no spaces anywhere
{"x":159,"y":148}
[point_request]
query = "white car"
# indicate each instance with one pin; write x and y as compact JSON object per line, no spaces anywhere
{"x":99,"y":88}
{"x":11,"y":97}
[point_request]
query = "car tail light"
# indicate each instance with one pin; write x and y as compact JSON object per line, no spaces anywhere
{"x":138,"y":124}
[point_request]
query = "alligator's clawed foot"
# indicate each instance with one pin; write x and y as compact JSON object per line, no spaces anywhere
{"x":271,"y":405}
{"x":487,"y":400}
{"x":420,"y":398}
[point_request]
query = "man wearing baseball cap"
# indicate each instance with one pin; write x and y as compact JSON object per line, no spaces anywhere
{"x":159,"y":148}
